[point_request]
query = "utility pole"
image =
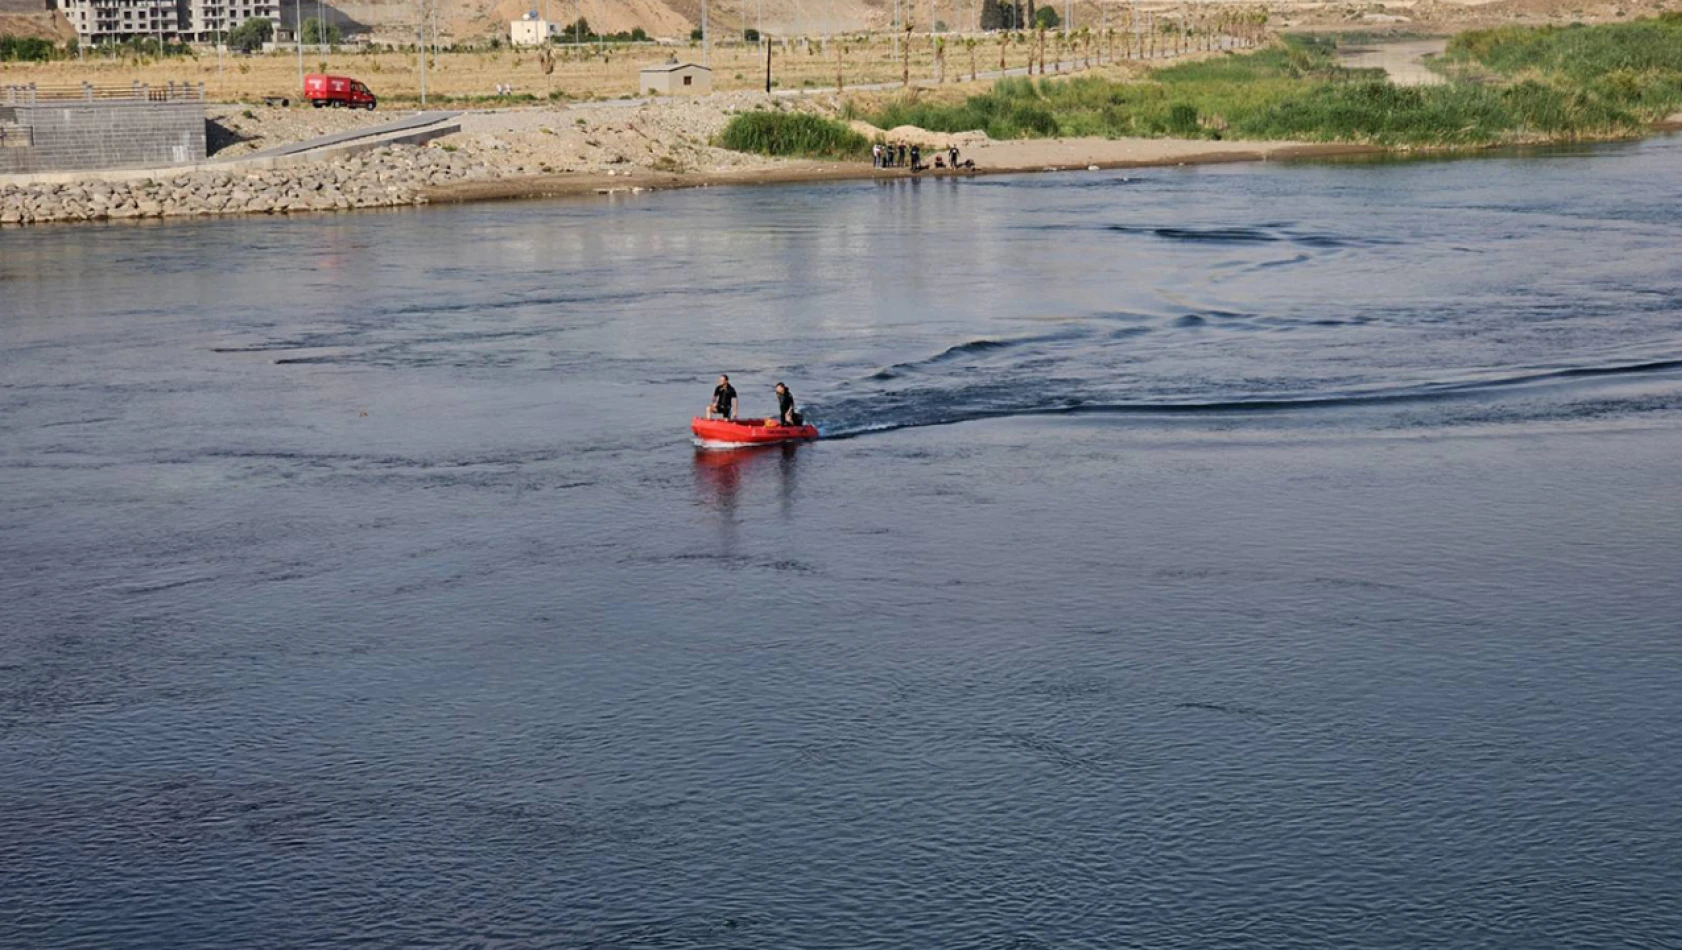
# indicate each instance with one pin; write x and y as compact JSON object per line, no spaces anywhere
{"x":298,"y":24}
{"x":420,"y":36}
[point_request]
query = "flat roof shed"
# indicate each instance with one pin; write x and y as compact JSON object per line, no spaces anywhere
{"x":676,"y":79}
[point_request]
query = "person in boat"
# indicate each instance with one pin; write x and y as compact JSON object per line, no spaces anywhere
{"x":724,"y":400}
{"x":786,"y":414}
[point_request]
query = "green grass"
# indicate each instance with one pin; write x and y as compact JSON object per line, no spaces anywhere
{"x":792,"y":135}
{"x":1516,"y":85}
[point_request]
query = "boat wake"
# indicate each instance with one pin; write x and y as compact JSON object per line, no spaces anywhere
{"x":867,"y":406}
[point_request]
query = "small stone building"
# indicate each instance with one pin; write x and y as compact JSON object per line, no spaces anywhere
{"x":676,"y":79}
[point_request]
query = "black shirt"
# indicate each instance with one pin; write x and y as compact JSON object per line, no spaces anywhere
{"x":785,"y":405}
{"x":724,"y":395}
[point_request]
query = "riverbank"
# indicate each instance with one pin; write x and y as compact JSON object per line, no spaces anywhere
{"x":551,"y":151}
{"x":399,"y":176}
{"x":452,"y":172}
{"x":388,"y":177}
{"x":992,"y":158}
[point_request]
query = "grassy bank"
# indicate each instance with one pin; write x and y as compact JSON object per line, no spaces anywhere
{"x":792,"y":135}
{"x":1513,"y":85}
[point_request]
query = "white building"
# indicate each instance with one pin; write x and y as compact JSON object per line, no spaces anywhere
{"x":210,"y":19}
{"x":531,"y":31}
{"x":99,"y":20}
{"x":201,"y":21}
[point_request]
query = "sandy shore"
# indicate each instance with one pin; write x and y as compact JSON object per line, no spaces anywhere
{"x":992,"y":158}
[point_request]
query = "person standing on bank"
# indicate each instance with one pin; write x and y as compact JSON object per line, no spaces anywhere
{"x":786,"y":414}
{"x":724,"y":400}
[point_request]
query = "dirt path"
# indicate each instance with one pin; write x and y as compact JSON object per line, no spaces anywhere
{"x":1404,"y":62}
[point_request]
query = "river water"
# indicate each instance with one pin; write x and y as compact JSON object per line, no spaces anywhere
{"x":1245,"y":556}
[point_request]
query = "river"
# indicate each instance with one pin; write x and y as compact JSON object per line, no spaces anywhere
{"x":1262,"y":555}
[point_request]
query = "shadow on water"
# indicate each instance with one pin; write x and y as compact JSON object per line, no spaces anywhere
{"x":724,"y":476}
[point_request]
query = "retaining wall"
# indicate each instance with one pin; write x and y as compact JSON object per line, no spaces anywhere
{"x":76,"y":136}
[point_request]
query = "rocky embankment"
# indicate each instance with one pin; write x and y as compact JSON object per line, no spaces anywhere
{"x":387,"y":177}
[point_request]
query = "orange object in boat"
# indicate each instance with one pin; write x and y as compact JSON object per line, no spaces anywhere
{"x":726,"y":434}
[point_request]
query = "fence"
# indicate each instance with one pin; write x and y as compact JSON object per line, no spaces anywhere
{"x":33,"y":94}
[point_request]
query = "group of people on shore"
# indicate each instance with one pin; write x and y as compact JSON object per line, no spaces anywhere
{"x":899,"y":155}
{"x":723,"y":405}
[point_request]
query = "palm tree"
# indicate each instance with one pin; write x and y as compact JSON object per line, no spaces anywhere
{"x":970,"y":44}
{"x":939,"y":44}
{"x":1004,"y":41}
{"x":905,"y":56}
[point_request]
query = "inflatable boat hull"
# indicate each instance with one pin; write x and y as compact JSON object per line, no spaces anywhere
{"x":725,"y":434}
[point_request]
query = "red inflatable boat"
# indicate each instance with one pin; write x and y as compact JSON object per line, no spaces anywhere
{"x":727,"y":434}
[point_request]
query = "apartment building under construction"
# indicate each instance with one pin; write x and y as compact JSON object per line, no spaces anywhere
{"x":176,"y":21}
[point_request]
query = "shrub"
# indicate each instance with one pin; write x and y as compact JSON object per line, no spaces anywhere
{"x":251,"y":35}
{"x":317,"y":32}
{"x":792,"y":134}
{"x":1182,"y":119}
{"x":25,"y":49}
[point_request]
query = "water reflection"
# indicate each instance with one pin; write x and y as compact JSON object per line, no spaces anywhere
{"x":723,"y":475}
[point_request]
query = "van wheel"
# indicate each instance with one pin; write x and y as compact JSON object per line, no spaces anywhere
{"x":370,"y":107}
{"x":315,"y":103}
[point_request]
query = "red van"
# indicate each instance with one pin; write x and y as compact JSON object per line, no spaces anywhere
{"x":337,"y":91}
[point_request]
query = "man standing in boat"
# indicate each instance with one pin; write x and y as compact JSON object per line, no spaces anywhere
{"x":724,"y":400}
{"x":786,"y":415}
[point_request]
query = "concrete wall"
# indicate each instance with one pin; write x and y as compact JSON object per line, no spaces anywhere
{"x":113,"y":134}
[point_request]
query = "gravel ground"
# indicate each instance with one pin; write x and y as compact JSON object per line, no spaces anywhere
{"x":239,"y":130}
{"x":670,"y":135}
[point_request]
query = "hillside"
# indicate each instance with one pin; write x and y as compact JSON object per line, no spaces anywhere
{"x":32,"y":18}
